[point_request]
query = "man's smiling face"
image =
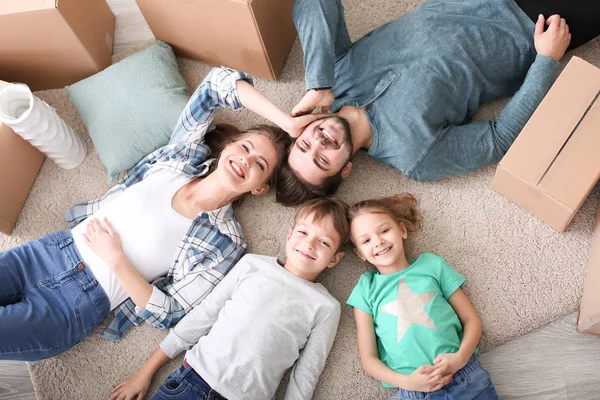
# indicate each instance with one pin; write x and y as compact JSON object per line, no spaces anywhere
{"x":322,"y":150}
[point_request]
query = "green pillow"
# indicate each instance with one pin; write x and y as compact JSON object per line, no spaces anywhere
{"x":131,"y":108}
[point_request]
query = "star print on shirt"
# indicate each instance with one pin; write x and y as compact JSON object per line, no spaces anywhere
{"x":409,"y":308}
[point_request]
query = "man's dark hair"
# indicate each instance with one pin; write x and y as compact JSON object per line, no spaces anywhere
{"x":292,"y":190}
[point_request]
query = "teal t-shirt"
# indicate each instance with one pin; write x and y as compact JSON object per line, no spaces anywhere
{"x":414,"y":323}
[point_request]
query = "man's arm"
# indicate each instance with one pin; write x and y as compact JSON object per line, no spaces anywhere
{"x":324,"y":37}
{"x":307,"y":369}
{"x":464,"y":148}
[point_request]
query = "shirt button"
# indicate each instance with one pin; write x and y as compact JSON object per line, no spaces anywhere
{"x":80,"y":266}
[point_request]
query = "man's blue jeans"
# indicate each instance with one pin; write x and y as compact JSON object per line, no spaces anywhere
{"x":49,"y":299}
{"x":469,"y":383}
{"x":186,"y":384}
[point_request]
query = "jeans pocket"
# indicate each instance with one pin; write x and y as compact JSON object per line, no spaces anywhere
{"x":175,"y":385}
{"x":476,"y":380}
{"x":89,"y":314}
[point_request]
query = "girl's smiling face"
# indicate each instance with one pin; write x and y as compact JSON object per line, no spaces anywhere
{"x":379,"y":239}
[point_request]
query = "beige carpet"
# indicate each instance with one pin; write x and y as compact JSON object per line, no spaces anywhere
{"x":520,"y":273}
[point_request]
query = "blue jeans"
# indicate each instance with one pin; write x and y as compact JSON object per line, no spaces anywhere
{"x":186,"y":384}
{"x":49,"y":299}
{"x":470,"y":382}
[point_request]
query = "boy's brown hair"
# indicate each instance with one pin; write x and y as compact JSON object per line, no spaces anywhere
{"x":402,"y":208}
{"x":324,"y":207}
{"x":291,"y":190}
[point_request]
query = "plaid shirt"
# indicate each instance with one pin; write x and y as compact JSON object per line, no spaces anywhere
{"x":213,"y":243}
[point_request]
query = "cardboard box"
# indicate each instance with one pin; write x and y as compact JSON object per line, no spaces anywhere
{"x":555,"y":162}
{"x":254,"y":36}
{"x":49,"y":44}
{"x":20,"y":163}
{"x":588,"y":320}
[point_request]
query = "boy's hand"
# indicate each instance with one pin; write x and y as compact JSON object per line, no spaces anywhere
{"x":296,"y":125}
{"x":313,"y":99}
{"x":554,"y":41}
{"x":104,"y":241}
{"x":425,"y":379}
{"x":448,"y":363}
{"x":135,"y":387}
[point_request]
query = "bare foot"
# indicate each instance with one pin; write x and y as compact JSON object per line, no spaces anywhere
{"x":313,"y":99}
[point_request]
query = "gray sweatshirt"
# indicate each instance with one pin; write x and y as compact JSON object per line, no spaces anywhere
{"x":256,"y":324}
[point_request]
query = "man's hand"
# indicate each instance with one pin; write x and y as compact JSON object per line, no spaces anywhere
{"x":134,"y":388}
{"x":313,"y":99}
{"x":104,"y":241}
{"x":425,"y":379}
{"x":296,"y":125}
{"x":555,"y":40}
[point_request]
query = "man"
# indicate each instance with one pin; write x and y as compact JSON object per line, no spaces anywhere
{"x":406,"y":92}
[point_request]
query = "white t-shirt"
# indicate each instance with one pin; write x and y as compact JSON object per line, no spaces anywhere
{"x":149,"y":228}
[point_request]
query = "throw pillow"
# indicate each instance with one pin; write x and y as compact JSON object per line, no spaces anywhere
{"x":131,"y":107}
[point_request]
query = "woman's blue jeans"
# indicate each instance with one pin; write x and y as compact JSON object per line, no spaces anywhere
{"x":49,"y":299}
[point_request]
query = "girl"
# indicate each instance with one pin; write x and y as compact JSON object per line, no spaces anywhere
{"x":416,"y":328}
{"x":170,"y":215}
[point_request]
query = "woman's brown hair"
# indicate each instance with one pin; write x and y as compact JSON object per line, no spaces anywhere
{"x":402,"y":208}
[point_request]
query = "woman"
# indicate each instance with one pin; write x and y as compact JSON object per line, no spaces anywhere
{"x":170,"y":215}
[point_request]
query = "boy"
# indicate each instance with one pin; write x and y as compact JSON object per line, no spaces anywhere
{"x":261,"y":320}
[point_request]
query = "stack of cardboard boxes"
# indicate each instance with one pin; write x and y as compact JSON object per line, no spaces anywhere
{"x":555,"y":163}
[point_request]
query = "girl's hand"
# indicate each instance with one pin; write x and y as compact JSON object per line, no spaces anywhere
{"x":418,"y":381}
{"x":104,"y":241}
{"x":135,"y":387}
{"x":296,"y":125}
{"x":449,"y":363}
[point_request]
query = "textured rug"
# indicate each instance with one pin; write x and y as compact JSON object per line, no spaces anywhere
{"x":520,"y":273}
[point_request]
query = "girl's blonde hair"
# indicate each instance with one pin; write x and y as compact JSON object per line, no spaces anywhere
{"x":402,"y":208}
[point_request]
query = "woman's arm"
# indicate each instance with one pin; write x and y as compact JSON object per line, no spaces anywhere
{"x":257,"y":102}
{"x":137,"y":386}
{"x":105,"y":242}
{"x":422,"y":379}
{"x":472,"y":328}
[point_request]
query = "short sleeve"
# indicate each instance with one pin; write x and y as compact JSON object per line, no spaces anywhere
{"x":358,"y":297}
{"x":449,"y":279}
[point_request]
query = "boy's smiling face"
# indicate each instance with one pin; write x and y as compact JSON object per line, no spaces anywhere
{"x":312,"y":246}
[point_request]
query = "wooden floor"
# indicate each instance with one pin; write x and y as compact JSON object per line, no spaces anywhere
{"x":553,"y":362}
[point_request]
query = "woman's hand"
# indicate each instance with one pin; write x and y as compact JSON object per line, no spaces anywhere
{"x":104,"y":241}
{"x":312,"y":99}
{"x":135,"y":387}
{"x":296,"y":125}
